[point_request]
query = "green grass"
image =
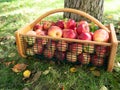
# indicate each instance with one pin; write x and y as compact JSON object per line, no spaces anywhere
{"x":15,"y":14}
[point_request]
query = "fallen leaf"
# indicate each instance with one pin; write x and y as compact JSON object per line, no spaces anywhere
{"x":103,"y":88}
{"x":96,"y":73}
{"x":73,"y":69}
{"x":26,"y":73}
{"x":19,"y":67}
{"x":8,"y":63}
{"x":46,"y":72}
{"x":36,"y":76}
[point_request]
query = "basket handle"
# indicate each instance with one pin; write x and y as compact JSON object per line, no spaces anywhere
{"x":72,"y":11}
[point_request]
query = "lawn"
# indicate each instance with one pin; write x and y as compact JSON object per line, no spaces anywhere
{"x":15,"y":14}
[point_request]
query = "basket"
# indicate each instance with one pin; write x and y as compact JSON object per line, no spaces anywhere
{"x":89,"y":54}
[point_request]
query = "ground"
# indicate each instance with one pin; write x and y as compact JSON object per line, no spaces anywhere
{"x":48,"y":75}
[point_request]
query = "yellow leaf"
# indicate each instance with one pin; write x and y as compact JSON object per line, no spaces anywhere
{"x":109,"y":17}
{"x":46,"y":72}
{"x":73,"y":69}
{"x":96,"y":73}
{"x":26,"y":73}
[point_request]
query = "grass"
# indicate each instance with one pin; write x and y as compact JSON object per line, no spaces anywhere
{"x":15,"y":14}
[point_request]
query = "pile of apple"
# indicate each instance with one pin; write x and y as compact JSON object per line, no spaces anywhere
{"x":66,"y":50}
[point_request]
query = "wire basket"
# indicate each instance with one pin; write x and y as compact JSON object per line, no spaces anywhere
{"x":65,"y":49}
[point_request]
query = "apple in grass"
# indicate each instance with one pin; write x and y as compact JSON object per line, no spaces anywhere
{"x":69,"y":33}
{"x":84,"y":58}
{"x":60,"y":55}
{"x":97,"y":61}
{"x":48,"y":53}
{"x":85,"y":36}
{"x":70,"y":24}
{"x":55,"y":31}
{"x":82,"y":26}
{"x":62,"y":45}
{"x":71,"y":57}
{"x":75,"y":48}
{"x":101,"y":35}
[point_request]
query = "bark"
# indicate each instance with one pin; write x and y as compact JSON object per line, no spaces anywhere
{"x":93,"y":7}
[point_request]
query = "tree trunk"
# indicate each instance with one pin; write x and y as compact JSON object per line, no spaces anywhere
{"x":93,"y":7}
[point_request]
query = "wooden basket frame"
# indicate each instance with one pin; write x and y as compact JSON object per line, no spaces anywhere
{"x":110,"y":28}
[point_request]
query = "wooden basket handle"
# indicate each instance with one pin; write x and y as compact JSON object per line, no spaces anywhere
{"x":72,"y":11}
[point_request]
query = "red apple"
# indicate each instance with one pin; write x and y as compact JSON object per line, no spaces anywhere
{"x":60,"y":23}
{"x":51,"y":45}
{"x":75,"y":48}
{"x":84,"y":58}
{"x":42,"y":41}
{"x":55,"y":31}
{"x":71,"y":57}
{"x":40,"y":32}
{"x":70,"y":24}
{"x":60,"y":55}
{"x":48,"y":53}
{"x":47,"y":25}
{"x":62,"y":46}
{"x":101,"y":35}
{"x":88,"y":48}
{"x":82,"y":26}
{"x":37,"y":48}
{"x":101,"y":51}
{"x":97,"y":61}
{"x":38,"y":26}
{"x":85,"y":36}
{"x":69,"y":33}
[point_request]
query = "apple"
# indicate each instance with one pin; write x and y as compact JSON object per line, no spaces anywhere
{"x":60,"y":23}
{"x":75,"y":48}
{"x":47,"y":25}
{"x":42,"y":41}
{"x":48,"y":53}
{"x":101,"y":51}
{"x":69,"y":33}
{"x":29,"y":51}
{"x":51,"y":45}
{"x":85,"y":36}
{"x":84,"y":58}
{"x":70,"y":24}
{"x":60,"y":55}
{"x":62,"y":45}
{"x":71,"y":57}
{"x":38,"y":48}
{"x":40,"y":32}
{"x":88,"y":48}
{"x":97,"y":61}
{"x":38,"y":26}
{"x":101,"y":35}
{"x":30,"y":39}
{"x":82,"y":26}
{"x":55,"y":31}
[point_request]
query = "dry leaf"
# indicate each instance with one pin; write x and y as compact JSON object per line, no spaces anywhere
{"x":103,"y":88}
{"x":46,"y":72}
{"x":96,"y":73}
{"x":8,"y":63}
{"x":73,"y":69}
{"x":19,"y":67}
{"x":36,"y":76}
